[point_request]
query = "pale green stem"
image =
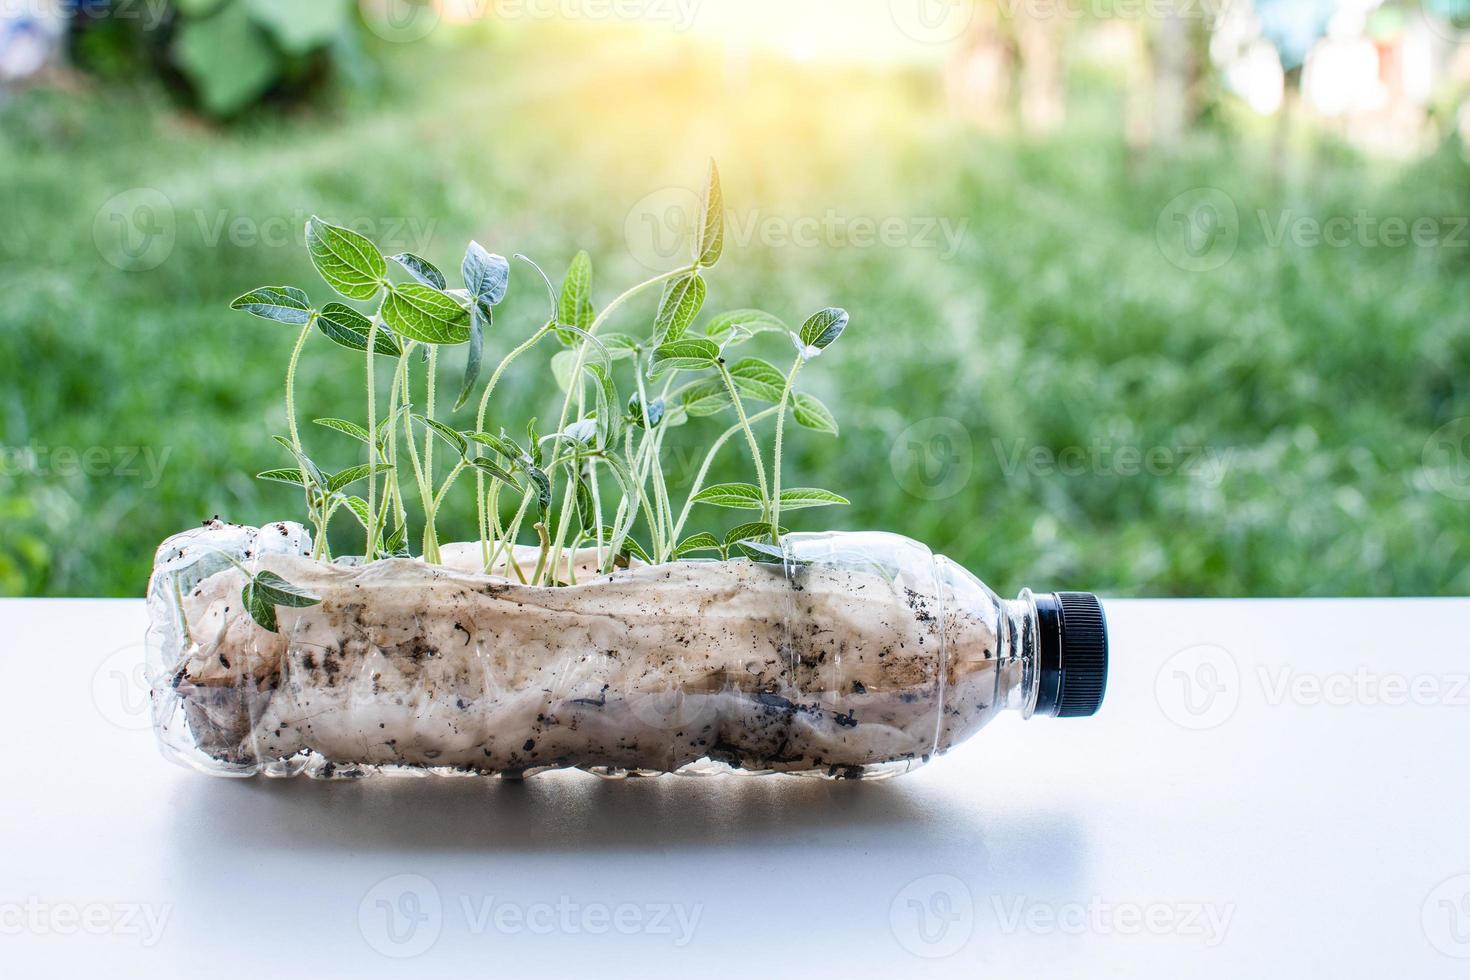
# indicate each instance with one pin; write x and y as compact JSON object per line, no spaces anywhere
{"x":372,"y":411}
{"x":709,"y":459}
{"x":483,"y":517}
{"x":755,"y":453}
{"x":780,"y":433}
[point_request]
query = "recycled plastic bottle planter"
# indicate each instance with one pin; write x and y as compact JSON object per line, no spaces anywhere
{"x":851,"y":655}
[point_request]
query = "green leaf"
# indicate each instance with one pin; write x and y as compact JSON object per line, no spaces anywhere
{"x":396,"y":546}
{"x":346,"y":478}
{"x":543,"y":489}
{"x":769,"y":554}
{"x":689,"y":354}
{"x":751,"y":322}
{"x":812,"y":414}
{"x":312,"y":470}
{"x":228,"y":60}
{"x":608,"y":417}
{"x":488,"y":465}
{"x":822,"y":328}
{"x":798,"y":497}
{"x":423,"y":271}
{"x":486,"y":275}
{"x":349,"y":263}
{"x":707,"y":396}
{"x":534,"y":442}
{"x":631,"y":547}
{"x":359,"y":509}
{"x":480,"y":321}
{"x":683,"y":299}
{"x":427,"y":315}
{"x":263,"y":612}
{"x":292,"y":477}
{"x":620,"y":346}
{"x":703,"y":541}
{"x":348,"y":328}
{"x":741,"y":496}
{"x":456,"y":440}
{"x":563,"y":364}
{"x":655,"y":411}
{"x":279,"y":592}
{"x":711,"y":242}
{"x":586,"y":509}
{"x":749,"y":532}
{"x":575,"y":307}
{"x":349,"y":428}
{"x":499,"y":443}
{"x":284,"y":304}
{"x":758,"y":379}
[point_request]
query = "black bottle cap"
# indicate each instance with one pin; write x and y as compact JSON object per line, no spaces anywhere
{"x":1074,"y":654}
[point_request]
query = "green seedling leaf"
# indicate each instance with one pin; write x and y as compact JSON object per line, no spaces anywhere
{"x":747,"y":322}
{"x":563,"y":366}
{"x":312,"y":470}
{"x":631,"y":547}
{"x":758,"y":379}
{"x":348,"y":262}
{"x":346,"y":478}
{"x":798,"y":497}
{"x":707,"y":396}
{"x":456,"y":440}
{"x":486,"y":275}
{"x":422,"y":270}
{"x":263,"y":612}
{"x":284,"y":304}
{"x":820,"y":330}
{"x":607,"y":396}
{"x":534,"y":443}
{"x":480,"y":321}
{"x":586,"y":509}
{"x":348,"y":428}
{"x":575,"y":306}
{"x":359,"y":509}
{"x":293,"y":477}
{"x":487,"y":465}
{"x":267,"y":590}
{"x":689,"y":354}
{"x":741,"y":496}
{"x":581,"y":431}
{"x":620,"y":346}
{"x":753,"y":531}
{"x":499,"y":443}
{"x":543,"y":488}
{"x":711,"y":242}
{"x":427,"y":315}
{"x":682,"y":301}
{"x":766,"y":554}
{"x":348,"y":328}
{"x":655,"y":411}
{"x":812,"y":414}
{"x":703,"y":541}
{"x":397,"y":544}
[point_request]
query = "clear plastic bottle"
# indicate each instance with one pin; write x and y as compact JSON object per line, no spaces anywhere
{"x":843,"y":655}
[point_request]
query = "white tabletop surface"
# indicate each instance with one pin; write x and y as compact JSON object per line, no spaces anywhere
{"x":1272,"y":789}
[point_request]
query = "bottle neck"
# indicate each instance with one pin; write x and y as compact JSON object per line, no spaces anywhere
{"x":1030,"y":648}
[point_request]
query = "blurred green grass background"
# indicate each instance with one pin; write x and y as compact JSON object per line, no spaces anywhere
{"x":1294,"y":388}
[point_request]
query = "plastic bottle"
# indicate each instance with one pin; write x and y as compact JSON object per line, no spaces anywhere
{"x":836,"y":654}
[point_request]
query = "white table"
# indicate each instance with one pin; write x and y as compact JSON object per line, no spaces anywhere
{"x":1272,"y":789}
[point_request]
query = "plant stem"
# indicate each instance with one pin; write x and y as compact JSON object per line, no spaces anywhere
{"x":484,"y":523}
{"x":776,"y":468}
{"x":709,"y":459}
{"x":296,"y":435}
{"x":755,"y":453}
{"x":372,"y":411}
